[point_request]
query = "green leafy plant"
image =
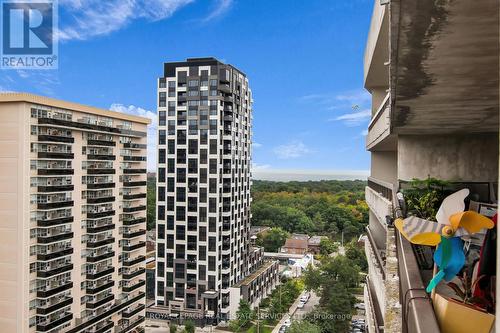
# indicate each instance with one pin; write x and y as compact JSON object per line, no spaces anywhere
{"x":465,"y":292}
{"x":423,"y":197}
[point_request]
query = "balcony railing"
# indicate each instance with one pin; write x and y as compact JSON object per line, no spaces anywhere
{"x":54,"y":305}
{"x":134,"y":145}
{"x":96,"y":274}
{"x":102,"y":327}
{"x":54,"y":255}
{"x":417,"y":310}
{"x":134,"y":196}
{"x":379,"y":205}
{"x":55,"y":171}
{"x":129,"y":326}
{"x":101,"y":228}
{"x":105,"y":143}
{"x":131,"y":312}
{"x":101,"y":171}
{"x":47,"y":326}
{"x":55,"y":138}
{"x":100,"y":200}
{"x":98,"y":243}
{"x":45,"y":273}
{"x":55,"y":221}
{"x":135,"y":261}
{"x":99,"y":302}
{"x":134,"y":171}
{"x":55,"y":188}
{"x":130,"y":222}
{"x":56,"y":155}
{"x":91,"y":290}
{"x":134,"y":234}
{"x":134,"y":209}
{"x":399,"y":267}
{"x":380,"y":125}
{"x":134,"y":286}
{"x":97,"y":215}
{"x":45,"y":293}
{"x":101,"y":157}
{"x":133,"y":274}
{"x":96,"y":186}
{"x":132,"y":247}
{"x":134,"y":184}
{"x":100,"y":257}
{"x":55,"y":205}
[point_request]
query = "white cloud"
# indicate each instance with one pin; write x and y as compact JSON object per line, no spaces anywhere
{"x":364,"y":132}
{"x":91,"y":18}
{"x":152,"y":129}
{"x":354,"y":118}
{"x":256,"y":145}
{"x":260,"y":167}
{"x":292,"y":150}
{"x":334,"y":101}
{"x":222,"y":7}
{"x":307,"y":175}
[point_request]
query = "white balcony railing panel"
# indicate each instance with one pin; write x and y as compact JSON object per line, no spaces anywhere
{"x":375,"y":274}
{"x":379,"y":205}
{"x":380,"y":125}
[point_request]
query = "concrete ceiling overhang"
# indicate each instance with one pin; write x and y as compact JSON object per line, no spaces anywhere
{"x":444,"y":66}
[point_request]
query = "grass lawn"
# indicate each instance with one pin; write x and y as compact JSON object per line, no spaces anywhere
{"x":263,"y":329}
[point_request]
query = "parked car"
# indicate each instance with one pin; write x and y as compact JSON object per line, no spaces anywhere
{"x":360,"y":306}
{"x":287,"y":323}
{"x":301,"y":305}
{"x":283,"y":329}
{"x":305,"y":298}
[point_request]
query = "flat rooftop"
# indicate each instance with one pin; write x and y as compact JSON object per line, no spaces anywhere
{"x":20,"y":97}
{"x":246,"y":281}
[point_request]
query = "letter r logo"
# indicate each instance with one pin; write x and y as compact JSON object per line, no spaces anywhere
{"x":27,"y":27}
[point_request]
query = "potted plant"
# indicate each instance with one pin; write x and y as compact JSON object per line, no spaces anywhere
{"x":422,"y":198}
{"x":465,"y":312}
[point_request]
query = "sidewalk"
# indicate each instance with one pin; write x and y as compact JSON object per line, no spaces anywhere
{"x":291,"y":312}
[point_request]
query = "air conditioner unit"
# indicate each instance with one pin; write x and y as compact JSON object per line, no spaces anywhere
{"x":384,"y":2}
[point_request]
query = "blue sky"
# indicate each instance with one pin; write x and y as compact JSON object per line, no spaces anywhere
{"x":304,"y":60}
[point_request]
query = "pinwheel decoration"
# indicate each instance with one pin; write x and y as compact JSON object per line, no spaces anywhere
{"x":446,"y":234}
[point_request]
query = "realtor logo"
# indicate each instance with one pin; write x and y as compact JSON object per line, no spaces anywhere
{"x":28,"y":40}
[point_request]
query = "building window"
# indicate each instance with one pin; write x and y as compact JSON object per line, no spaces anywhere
{"x":162,"y":137}
{"x":170,"y":222}
{"x":160,"y":288}
{"x":162,"y":118}
{"x":161,"y":231}
{"x":161,"y":193}
{"x":161,"y":250}
{"x":161,"y":156}
{"x":161,"y":175}
{"x":161,"y":213}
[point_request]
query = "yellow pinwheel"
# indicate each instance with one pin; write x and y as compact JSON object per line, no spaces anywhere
{"x":452,"y":223}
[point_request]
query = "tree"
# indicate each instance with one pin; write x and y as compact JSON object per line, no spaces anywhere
{"x":173,"y":328}
{"x":357,"y":255}
{"x":151,"y":203}
{"x":189,"y":327}
{"x":331,"y":281}
{"x":327,"y":246}
{"x":273,"y":239}
{"x":244,"y":316}
{"x":303,"y":327}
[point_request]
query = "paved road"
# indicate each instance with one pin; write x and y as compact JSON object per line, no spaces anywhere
{"x":308,"y":307}
{"x":298,"y":314}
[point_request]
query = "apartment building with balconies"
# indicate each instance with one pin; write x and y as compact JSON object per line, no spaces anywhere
{"x":203,"y":186}
{"x":432,"y":70}
{"x":72,"y":206}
